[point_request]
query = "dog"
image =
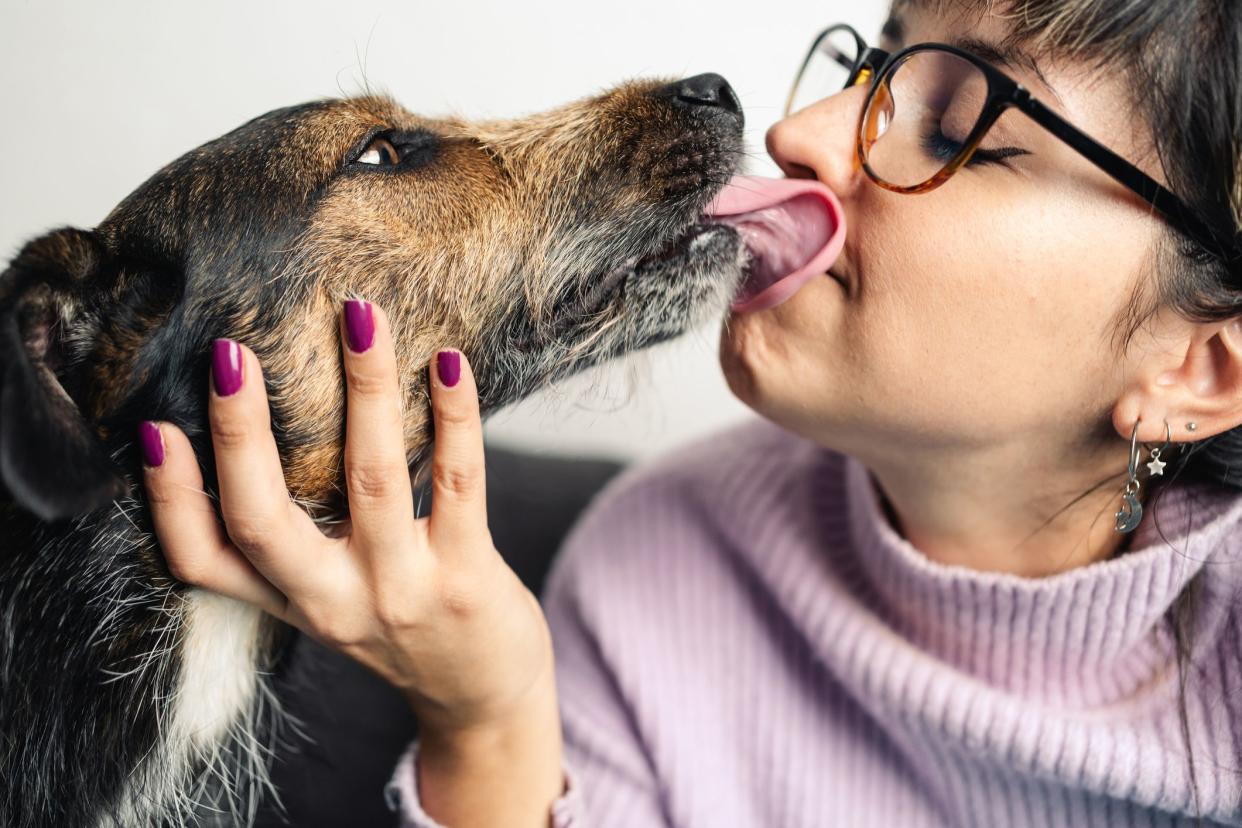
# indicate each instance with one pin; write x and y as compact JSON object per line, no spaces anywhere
{"x":539,"y":246}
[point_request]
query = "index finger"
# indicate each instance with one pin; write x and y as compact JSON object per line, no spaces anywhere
{"x":459,"y":492}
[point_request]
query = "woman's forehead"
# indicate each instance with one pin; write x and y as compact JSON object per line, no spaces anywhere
{"x":976,"y":27}
{"x":916,"y":20}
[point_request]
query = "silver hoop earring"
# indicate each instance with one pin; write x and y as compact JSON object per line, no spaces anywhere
{"x":1131,"y":511}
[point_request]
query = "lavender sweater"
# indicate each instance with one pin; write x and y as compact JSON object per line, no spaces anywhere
{"x":743,"y":640}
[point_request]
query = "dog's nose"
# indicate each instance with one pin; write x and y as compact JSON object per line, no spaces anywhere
{"x":709,"y":90}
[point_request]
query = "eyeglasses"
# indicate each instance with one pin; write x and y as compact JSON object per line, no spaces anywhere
{"x":931,"y":105}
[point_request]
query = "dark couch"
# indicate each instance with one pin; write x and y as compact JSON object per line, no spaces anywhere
{"x":355,"y":725}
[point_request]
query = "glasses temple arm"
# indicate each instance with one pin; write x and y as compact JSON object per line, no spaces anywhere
{"x":1125,"y":173}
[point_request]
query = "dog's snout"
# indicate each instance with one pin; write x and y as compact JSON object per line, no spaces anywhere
{"x":706,"y":90}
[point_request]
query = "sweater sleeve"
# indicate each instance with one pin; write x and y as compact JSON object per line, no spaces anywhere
{"x":401,"y":794}
{"x":609,"y":780}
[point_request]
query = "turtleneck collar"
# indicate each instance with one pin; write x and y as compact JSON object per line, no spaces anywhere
{"x":1087,"y":636}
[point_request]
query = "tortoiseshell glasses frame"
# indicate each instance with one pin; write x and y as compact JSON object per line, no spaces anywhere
{"x":877,"y":66}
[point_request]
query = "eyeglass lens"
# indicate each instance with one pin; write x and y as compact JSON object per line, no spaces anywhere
{"x":919,"y":119}
{"x":826,"y":70}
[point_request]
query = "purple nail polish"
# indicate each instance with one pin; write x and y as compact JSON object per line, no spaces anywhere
{"x":448,"y":366}
{"x":152,"y":443}
{"x":359,"y":325}
{"x":226,"y":366}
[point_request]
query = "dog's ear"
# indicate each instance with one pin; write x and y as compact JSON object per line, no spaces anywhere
{"x":52,"y":461}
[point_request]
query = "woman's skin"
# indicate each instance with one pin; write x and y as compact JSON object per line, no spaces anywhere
{"x":973,"y":366}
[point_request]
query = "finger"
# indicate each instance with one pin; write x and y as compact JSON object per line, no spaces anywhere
{"x":194,"y":542}
{"x":459,"y":498}
{"x":377,"y":477}
{"x":276,"y":535}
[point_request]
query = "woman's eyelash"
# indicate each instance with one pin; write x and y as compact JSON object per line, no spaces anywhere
{"x":998,"y":154}
{"x":945,"y":149}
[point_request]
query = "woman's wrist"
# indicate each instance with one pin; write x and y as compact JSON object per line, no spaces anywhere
{"x":500,"y":772}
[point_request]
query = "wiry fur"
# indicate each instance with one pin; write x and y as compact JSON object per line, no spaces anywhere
{"x":538,"y":246}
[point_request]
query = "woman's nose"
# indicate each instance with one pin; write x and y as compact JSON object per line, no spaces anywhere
{"x":821,"y":141}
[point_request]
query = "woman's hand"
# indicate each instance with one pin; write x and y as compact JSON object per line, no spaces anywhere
{"x":426,"y":603}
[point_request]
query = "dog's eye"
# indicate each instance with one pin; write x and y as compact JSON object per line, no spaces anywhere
{"x":380,"y":153}
{"x":398,"y":149}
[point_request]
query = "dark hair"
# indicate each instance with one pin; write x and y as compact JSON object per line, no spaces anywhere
{"x":1183,"y":63}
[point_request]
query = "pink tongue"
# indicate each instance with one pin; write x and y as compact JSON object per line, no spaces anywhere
{"x":793,"y":229}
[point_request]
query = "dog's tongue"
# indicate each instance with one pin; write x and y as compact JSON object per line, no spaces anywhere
{"x":792,"y":228}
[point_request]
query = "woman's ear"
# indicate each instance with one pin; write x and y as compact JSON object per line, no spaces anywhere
{"x":52,"y":461}
{"x":1202,"y":383}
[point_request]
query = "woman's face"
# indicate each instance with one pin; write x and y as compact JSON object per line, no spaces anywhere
{"x":985,"y":312}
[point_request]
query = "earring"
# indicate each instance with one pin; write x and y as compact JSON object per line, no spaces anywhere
{"x":1191,"y":426}
{"x":1156,"y":465}
{"x":1131,"y":511}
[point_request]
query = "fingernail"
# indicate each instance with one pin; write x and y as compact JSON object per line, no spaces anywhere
{"x":448,"y":366}
{"x":359,"y":325}
{"x":226,"y":366}
{"x":152,"y":444}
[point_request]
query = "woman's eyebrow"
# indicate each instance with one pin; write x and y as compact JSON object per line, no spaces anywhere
{"x":893,"y":30}
{"x":1008,"y":55}
{"x":1011,"y":56}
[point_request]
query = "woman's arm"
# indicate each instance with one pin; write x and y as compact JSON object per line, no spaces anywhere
{"x":505,"y":773}
{"x":610,"y":780}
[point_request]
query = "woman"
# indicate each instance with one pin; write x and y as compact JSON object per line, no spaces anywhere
{"x":905,"y":599}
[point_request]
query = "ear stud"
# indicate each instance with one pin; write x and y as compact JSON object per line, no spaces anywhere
{"x":1191,"y":426}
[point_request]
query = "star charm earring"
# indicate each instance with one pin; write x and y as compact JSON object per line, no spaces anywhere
{"x":1156,"y":466}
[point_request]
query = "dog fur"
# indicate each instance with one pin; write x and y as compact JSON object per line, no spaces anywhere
{"x":538,"y":246}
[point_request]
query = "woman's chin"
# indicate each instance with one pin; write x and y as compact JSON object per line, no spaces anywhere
{"x":766,"y":356}
{"x":746,"y":357}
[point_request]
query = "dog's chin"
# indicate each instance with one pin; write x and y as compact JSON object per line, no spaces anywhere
{"x":702,"y":250}
{"x":629,"y":306}
{"x":661,"y":296}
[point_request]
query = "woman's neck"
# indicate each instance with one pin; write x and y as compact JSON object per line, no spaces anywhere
{"x":996,"y":513}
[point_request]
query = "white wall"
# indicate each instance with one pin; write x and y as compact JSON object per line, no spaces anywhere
{"x":98,"y":95}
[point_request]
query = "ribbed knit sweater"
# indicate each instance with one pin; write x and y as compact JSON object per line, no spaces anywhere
{"x":743,"y":639}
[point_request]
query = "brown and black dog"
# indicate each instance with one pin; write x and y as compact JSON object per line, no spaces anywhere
{"x":539,"y":246}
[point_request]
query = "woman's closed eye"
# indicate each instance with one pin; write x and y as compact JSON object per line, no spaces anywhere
{"x":944,"y":149}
